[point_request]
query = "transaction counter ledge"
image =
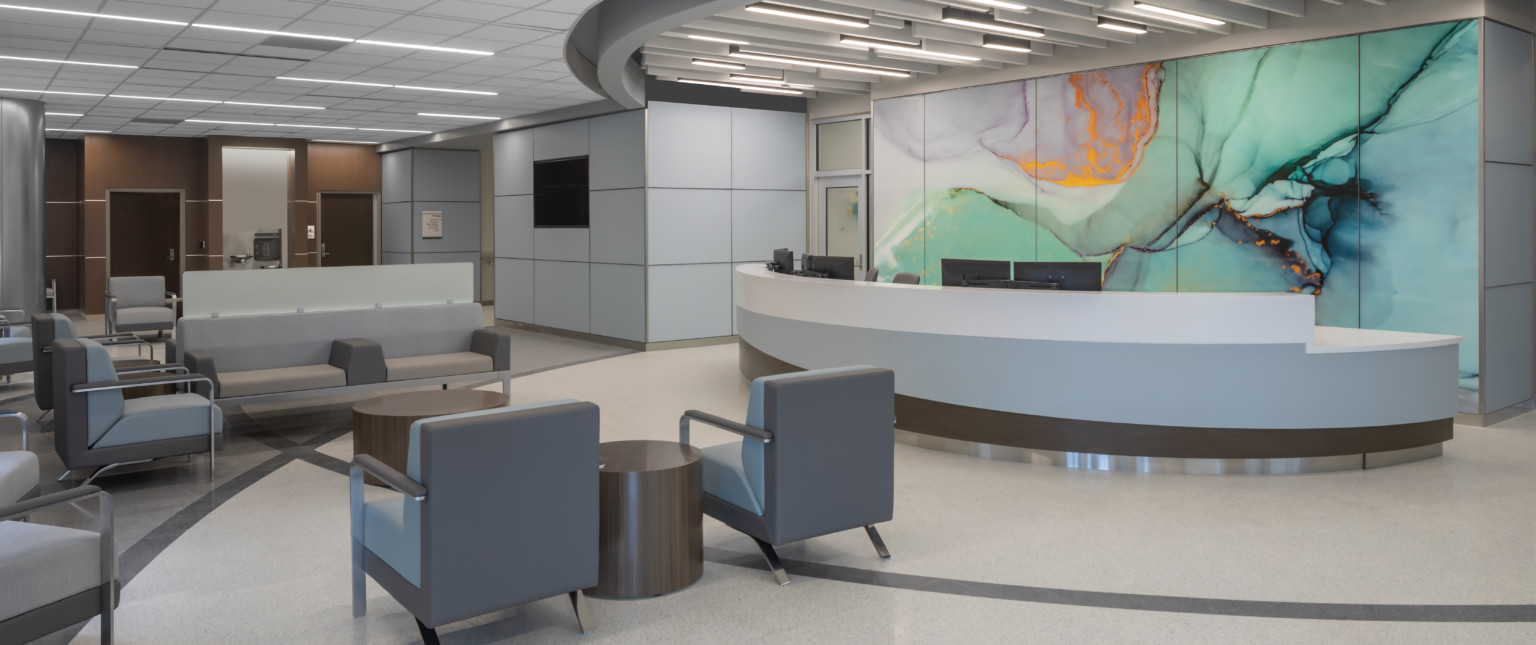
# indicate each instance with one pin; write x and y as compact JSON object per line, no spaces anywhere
{"x":1150,"y":382}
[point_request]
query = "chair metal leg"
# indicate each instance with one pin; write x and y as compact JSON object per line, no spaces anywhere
{"x":108,"y":467}
{"x":773,"y":561}
{"x":61,"y":477}
{"x":874,"y":537}
{"x":583,"y":612}
{"x":428,"y":635}
{"x":107,"y":602}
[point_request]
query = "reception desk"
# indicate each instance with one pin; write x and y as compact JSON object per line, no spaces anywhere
{"x":1165,"y":382}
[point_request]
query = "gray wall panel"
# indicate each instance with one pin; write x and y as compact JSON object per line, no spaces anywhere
{"x":514,"y":226}
{"x":461,"y":227}
{"x":618,"y":226}
{"x":397,"y":176}
{"x":395,"y":228}
{"x":470,"y":258}
{"x":1508,"y":103}
{"x":1508,"y":334}
{"x":560,"y":140}
{"x":767,"y":149}
{"x":447,"y":176}
{"x":618,"y":301}
{"x":562,"y":295}
{"x":514,"y":290}
{"x":565,"y":244}
{"x":618,"y":151}
{"x":688,"y":226}
{"x":394,"y":258}
{"x":688,"y":301}
{"x":689,"y":146}
{"x":1509,"y":221}
{"x":764,"y":220}
{"x":514,"y":163}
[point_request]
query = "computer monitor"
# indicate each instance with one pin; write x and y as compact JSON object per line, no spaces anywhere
{"x":783,"y":261}
{"x":832,"y":266}
{"x":972,"y":273}
{"x":1072,"y":276}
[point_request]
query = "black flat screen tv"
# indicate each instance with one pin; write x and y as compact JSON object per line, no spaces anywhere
{"x":560,"y":193}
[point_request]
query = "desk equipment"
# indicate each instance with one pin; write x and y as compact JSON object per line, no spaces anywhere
{"x":974,"y":273}
{"x":1072,"y":276}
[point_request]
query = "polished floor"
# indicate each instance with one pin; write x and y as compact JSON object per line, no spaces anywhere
{"x":1439,"y":551}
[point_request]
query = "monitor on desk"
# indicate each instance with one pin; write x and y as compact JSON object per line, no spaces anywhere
{"x":974,"y":273}
{"x":828,"y":266}
{"x":1072,"y":276}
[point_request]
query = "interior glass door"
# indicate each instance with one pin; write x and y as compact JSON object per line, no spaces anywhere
{"x":844,"y":223}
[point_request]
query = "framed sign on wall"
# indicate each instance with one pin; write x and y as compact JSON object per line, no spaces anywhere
{"x":431,"y":225}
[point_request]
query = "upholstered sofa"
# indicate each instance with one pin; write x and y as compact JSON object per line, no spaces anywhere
{"x":333,"y":352}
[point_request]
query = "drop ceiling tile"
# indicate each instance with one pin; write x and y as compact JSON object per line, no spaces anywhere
{"x":567,"y":6}
{"x":426,"y":25}
{"x":280,"y":8}
{"x":538,"y":18}
{"x":477,"y":11}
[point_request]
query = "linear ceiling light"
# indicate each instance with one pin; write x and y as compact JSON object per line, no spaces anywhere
{"x":359,"y":41}
{"x":985,"y":22}
{"x":89,"y":14}
{"x":444,"y":89}
{"x":228,"y":122}
{"x":1126,"y":26}
{"x":398,"y":87}
{"x":61,"y":114}
{"x":75,"y":130}
{"x":276,"y":105}
{"x":716,"y":39}
{"x":320,"y":127}
{"x":1152,"y":8}
{"x":744,"y":88}
{"x":160,"y":98}
{"x":68,"y":62}
{"x":368,"y":143}
{"x":808,"y":14}
{"x":393,"y":130}
{"x":819,"y":64}
{"x":459,"y":116}
{"x":321,"y":80}
{"x":1001,"y":3}
{"x":768,"y":80}
{"x":430,"y":48}
{"x":15,"y":89}
{"x":1004,"y":43}
{"x":705,"y":62}
{"x":884,"y":46}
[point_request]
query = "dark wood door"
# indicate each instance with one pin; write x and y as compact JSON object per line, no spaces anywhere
{"x":346,"y":230}
{"x":146,"y":235}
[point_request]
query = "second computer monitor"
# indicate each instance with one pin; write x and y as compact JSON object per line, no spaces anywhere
{"x":833,"y":266}
{"x":1072,"y":276}
{"x":962,"y":273}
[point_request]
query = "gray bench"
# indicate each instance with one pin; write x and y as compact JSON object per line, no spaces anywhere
{"x":293,"y":355}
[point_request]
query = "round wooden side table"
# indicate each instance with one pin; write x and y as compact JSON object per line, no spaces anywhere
{"x":651,"y":526}
{"x":381,"y":426}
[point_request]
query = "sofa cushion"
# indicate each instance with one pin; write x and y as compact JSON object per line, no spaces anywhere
{"x":726,"y":478}
{"x":43,"y":564}
{"x":240,"y":343}
{"x":434,"y":365}
{"x":18,"y":475}
{"x":146,"y":316}
{"x":396,"y":539}
{"x":154,"y":418}
{"x":281,"y":379}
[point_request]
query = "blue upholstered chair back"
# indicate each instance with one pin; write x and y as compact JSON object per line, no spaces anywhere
{"x":104,"y":408}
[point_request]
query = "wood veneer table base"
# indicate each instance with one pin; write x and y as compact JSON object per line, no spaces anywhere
{"x":381,"y":426}
{"x":651,"y":526}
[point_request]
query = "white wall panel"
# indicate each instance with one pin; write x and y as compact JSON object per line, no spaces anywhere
{"x":689,"y":146}
{"x":514,"y":226}
{"x":618,"y":301}
{"x":470,"y":257}
{"x":397,"y":176}
{"x":395,"y":228}
{"x":688,"y":301}
{"x":1509,"y":105}
{"x":764,"y":220}
{"x":562,"y":295}
{"x":1509,"y":220}
{"x":767,"y":149}
{"x":688,"y":226}
{"x":461,"y":227}
{"x":560,"y":140}
{"x":446,"y":176}
{"x":514,"y":163}
{"x":514,"y":290}
{"x":618,"y":226}
{"x":618,"y":151}
{"x":566,"y":244}
{"x":1507,"y":370}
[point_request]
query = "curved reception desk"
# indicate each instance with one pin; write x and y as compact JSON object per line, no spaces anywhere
{"x":1153,"y":382}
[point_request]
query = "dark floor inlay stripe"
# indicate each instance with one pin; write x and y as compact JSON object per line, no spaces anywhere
{"x":1144,"y":602}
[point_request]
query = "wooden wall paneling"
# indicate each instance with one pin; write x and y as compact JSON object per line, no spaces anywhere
{"x":343,"y":167}
{"x":195,"y":232}
{"x":63,"y":228}
{"x":94,"y":281}
{"x":216,"y":233}
{"x":61,"y":170}
{"x":65,"y":272}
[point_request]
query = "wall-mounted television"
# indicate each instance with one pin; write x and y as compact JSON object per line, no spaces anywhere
{"x":560,"y":193}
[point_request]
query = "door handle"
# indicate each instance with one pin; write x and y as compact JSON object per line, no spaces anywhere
{"x":324,"y":253}
{"x":170,"y":254}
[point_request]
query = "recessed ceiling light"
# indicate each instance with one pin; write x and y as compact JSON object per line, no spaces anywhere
{"x":89,"y":14}
{"x":985,"y":22}
{"x":272,"y":32}
{"x":878,"y":45}
{"x":994,"y":41}
{"x":744,"y":88}
{"x":1152,"y":8}
{"x":398,"y":87}
{"x":431,"y":48}
{"x":67,"y":62}
{"x":276,"y":105}
{"x":1001,"y":4}
{"x":459,"y":116}
{"x":74,"y":130}
{"x":61,"y":114}
{"x":705,"y":62}
{"x":228,"y":122}
{"x":393,"y":130}
{"x":368,"y":143}
{"x":716,"y":39}
{"x":820,"y":64}
{"x":320,"y":127}
{"x":1106,"y":22}
{"x":15,"y":89}
{"x":160,"y":98}
{"x":808,"y":14}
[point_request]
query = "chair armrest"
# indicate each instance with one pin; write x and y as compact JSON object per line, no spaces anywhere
{"x":166,"y":367}
{"x":495,"y":342}
{"x":20,"y":417}
{"x":390,"y":476}
{"x":362,"y":359}
{"x":43,"y":502}
{"x":103,"y":386}
{"x":722,"y":423}
{"x":104,"y":337}
{"x":103,"y":520}
{"x":201,"y":362}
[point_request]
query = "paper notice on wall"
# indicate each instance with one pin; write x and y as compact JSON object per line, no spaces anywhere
{"x":431,"y":225}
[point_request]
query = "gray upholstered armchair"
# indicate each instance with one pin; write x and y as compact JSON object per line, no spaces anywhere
{"x":15,"y":343}
{"x":96,"y":427}
{"x":907,"y":278}
{"x":496,"y":508}
{"x":815,"y":458}
{"x":55,"y":576}
{"x":140,"y":303}
{"x":18,"y":468}
{"x":47,"y":328}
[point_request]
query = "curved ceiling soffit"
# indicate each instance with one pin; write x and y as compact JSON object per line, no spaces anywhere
{"x":601,"y":48}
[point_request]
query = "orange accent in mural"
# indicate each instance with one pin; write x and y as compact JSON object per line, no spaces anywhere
{"x":1109,"y":125}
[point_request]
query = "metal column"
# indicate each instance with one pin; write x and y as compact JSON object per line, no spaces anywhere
{"x":22,"y":255}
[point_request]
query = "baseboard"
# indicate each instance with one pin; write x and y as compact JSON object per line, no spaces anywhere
{"x":617,"y":342}
{"x":1497,"y":416}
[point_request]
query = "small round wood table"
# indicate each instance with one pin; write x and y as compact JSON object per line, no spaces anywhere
{"x":651,"y":526}
{"x":141,"y":392}
{"x":382,"y":426}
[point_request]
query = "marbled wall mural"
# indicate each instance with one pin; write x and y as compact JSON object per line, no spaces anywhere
{"x":1344,"y":168}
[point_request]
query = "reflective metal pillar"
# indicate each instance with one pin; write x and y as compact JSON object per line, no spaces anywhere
{"x":21,"y":205}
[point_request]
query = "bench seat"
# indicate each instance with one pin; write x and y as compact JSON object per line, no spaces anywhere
{"x":406,"y":368}
{"x":280,"y":379}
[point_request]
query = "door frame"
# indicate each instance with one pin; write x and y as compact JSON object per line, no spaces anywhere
{"x":320,"y":221}
{"x":181,"y":228}
{"x":824,"y":179}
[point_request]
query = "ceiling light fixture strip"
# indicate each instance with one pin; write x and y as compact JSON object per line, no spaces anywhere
{"x":164,"y":98}
{"x":896,"y":48}
{"x":66,"y":62}
{"x":737,"y":52}
{"x":744,"y":88}
{"x":1105,"y":22}
{"x":1145,"y":7}
{"x":386,"y":85}
{"x":785,"y":11}
{"x":986,"y":22}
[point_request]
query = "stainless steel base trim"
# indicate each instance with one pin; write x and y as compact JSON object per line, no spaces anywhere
{"x":1168,"y":465}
